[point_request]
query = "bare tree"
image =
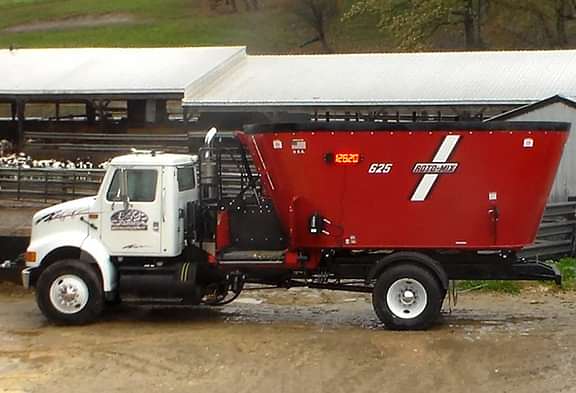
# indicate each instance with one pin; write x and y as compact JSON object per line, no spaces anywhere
{"x":251,"y":5}
{"x":472,"y":14}
{"x":550,"y":18}
{"x":564,"y":11}
{"x":317,"y":14}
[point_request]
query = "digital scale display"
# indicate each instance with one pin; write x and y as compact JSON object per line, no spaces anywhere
{"x":346,"y":158}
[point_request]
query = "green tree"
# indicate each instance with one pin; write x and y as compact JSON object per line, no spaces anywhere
{"x":415,"y":23}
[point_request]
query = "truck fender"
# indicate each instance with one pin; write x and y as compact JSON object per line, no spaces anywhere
{"x":93,"y":250}
{"x":414,"y":257}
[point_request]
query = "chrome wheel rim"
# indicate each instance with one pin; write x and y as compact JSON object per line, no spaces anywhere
{"x":69,"y":294}
{"x":406,"y":298}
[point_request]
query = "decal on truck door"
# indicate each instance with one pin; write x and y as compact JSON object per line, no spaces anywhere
{"x":438,"y":166}
{"x":129,"y":220}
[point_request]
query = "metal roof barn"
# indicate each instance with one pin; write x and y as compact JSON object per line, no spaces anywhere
{"x":556,"y":108}
{"x":108,"y":71}
{"x":394,"y":79}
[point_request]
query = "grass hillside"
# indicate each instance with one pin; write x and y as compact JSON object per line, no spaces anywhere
{"x":78,"y":23}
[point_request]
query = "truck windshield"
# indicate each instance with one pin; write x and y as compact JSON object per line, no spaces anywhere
{"x":141,"y":185}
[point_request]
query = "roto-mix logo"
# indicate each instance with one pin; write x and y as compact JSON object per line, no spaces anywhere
{"x":438,"y":166}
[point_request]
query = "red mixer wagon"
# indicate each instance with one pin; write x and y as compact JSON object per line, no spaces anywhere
{"x":393,"y":209}
{"x":448,"y":186}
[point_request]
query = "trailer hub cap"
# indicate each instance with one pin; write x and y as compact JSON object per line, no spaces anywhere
{"x":69,"y":294}
{"x":406,"y":298}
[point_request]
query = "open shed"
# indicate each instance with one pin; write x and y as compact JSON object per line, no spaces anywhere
{"x":106,"y":90}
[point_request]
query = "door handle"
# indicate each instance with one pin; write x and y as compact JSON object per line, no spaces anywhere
{"x":155,"y":226}
{"x":494,"y":217}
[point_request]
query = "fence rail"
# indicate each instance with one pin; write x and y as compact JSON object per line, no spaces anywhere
{"x":114,"y":143}
{"x":49,"y":184}
{"x":177,"y":143}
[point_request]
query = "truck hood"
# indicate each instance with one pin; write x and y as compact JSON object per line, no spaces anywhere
{"x":63,"y":211}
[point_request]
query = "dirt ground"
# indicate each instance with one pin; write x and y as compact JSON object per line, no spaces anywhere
{"x":293,"y":341}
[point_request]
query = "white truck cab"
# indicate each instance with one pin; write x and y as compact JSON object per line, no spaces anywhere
{"x":141,"y":204}
{"x":139,"y":211}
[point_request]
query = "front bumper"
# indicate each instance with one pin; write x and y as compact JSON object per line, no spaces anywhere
{"x":12,"y":271}
{"x":26,"y":277}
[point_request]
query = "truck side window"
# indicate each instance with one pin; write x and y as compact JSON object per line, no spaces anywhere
{"x":113,"y":194}
{"x":185,"y":177}
{"x":141,"y":185}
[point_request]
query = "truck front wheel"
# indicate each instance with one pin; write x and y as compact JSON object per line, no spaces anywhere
{"x":69,"y":292}
{"x":407,"y":297}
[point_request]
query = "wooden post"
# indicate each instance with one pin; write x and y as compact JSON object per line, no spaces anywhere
{"x":21,"y":105}
{"x":136,"y":112}
{"x":90,"y":112}
{"x":185,"y":114}
{"x":161,"y":111}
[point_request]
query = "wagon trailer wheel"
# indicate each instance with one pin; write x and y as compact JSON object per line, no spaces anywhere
{"x":407,"y":297}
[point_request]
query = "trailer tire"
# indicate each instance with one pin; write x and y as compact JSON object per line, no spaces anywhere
{"x":407,"y":297}
{"x":69,"y":292}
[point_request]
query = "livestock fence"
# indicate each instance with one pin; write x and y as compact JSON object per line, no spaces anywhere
{"x":556,"y":236}
{"x":557,"y":233}
{"x":47,"y":184}
{"x":79,"y":143}
{"x":98,"y":142}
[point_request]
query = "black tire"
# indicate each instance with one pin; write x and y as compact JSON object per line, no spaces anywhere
{"x":95,"y":300}
{"x":412,"y":272}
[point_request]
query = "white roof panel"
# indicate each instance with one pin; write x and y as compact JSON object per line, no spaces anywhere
{"x":108,"y":70}
{"x":159,"y":158}
{"x":507,"y":77}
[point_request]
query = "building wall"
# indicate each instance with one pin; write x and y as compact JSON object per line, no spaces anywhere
{"x":565,"y":183}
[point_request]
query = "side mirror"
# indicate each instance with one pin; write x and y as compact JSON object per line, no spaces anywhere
{"x":124,"y":190}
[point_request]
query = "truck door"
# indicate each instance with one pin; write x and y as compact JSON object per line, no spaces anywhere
{"x":132,"y":212}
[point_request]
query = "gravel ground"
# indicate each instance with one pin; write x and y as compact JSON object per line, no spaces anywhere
{"x":293,"y":341}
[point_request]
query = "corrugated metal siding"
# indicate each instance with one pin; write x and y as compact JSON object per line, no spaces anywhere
{"x":107,"y":70}
{"x":565,"y":183}
{"x":513,"y":77}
